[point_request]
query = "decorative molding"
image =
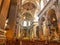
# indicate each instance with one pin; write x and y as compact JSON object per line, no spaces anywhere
{"x":47,"y":6}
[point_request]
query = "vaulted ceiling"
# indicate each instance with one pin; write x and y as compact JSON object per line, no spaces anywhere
{"x":31,"y":6}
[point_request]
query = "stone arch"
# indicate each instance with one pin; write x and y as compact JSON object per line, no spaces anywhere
{"x":27,"y":16}
{"x":52,"y":19}
{"x":51,"y":13}
{"x":34,"y":2}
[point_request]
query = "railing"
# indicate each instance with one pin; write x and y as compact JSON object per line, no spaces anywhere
{"x":30,"y":42}
{"x":2,"y":36}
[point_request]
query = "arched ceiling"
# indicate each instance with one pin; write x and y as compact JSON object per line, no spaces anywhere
{"x":29,"y":6}
{"x":27,"y":16}
{"x":51,"y":12}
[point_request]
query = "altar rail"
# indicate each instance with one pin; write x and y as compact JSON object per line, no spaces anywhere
{"x":28,"y":42}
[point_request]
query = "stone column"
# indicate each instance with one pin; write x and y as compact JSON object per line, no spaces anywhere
{"x":45,"y":2}
{"x":57,"y":8}
{"x":0,"y":2}
{"x":4,"y":13}
{"x":19,"y":3}
{"x":58,"y":18}
{"x":12,"y":18}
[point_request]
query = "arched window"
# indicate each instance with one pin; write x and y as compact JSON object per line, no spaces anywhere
{"x":47,"y":0}
{"x":24,"y":23}
{"x":29,"y":23}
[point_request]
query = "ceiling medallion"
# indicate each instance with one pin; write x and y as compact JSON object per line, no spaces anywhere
{"x":29,"y":6}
